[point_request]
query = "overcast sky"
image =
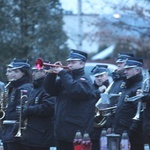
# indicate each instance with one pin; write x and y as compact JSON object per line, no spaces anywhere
{"x":94,"y":6}
{"x":89,"y":6}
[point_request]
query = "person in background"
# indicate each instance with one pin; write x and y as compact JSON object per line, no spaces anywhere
{"x":2,"y":86}
{"x":145,"y":103}
{"x":116,"y":88}
{"x":75,"y":99}
{"x":20,"y":72}
{"x":39,"y":113}
{"x":101,"y":82}
{"x":126,"y":110}
{"x":101,"y":78}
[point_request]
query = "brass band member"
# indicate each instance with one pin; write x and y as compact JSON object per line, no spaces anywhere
{"x":126,"y":110}
{"x":118,"y":78}
{"x":101,"y":82}
{"x":21,"y":75}
{"x":75,"y":99}
{"x":146,"y":111}
{"x":39,"y":113}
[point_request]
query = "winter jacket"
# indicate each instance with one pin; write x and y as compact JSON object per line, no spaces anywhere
{"x":14,"y":100}
{"x":75,"y":102}
{"x":39,"y":115}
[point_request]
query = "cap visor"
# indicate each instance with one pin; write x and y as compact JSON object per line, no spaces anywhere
{"x":72,"y":59}
{"x":98,"y":74}
{"x":133,"y":66}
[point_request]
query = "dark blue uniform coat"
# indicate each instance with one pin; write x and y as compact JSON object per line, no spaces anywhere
{"x":75,"y":103}
{"x":39,"y":113}
{"x":9,"y":130}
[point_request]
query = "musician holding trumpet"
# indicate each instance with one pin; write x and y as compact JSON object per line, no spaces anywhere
{"x":20,"y":77}
{"x":126,"y":110}
{"x":75,"y":99}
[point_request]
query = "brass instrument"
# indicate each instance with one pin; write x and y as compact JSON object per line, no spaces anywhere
{"x":20,"y":127}
{"x":137,"y":115}
{"x":2,"y":112}
{"x":141,"y":106}
{"x":40,"y":64}
{"x":145,"y":89}
{"x":103,"y":110}
{"x":3,"y":101}
{"x":102,"y":114}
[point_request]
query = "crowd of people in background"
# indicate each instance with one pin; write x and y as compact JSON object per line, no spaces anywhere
{"x":44,"y":106}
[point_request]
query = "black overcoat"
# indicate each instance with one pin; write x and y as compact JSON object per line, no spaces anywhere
{"x":14,"y":100}
{"x":39,"y":115}
{"x":75,"y":103}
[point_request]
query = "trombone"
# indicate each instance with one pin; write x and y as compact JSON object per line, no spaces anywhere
{"x":23,"y":96}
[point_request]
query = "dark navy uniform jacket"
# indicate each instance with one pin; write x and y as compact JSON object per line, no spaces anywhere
{"x":146,"y":118}
{"x":126,"y":111}
{"x":39,"y":114}
{"x":9,"y":130}
{"x":116,"y":88}
{"x":75,"y":103}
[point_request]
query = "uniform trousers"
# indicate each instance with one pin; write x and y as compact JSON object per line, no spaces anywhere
{"x":64,"y":145}
{"x":13,"y":146}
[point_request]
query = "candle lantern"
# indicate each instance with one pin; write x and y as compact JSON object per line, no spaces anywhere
{"x":113,"y":141}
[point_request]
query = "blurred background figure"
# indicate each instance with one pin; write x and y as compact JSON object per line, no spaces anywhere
{"x":126,"y":110}
{"x":19,"y":73}
{"x":101,"y":79}
{"x":118,"y":79}
{"x":101,"y":82}
{"x":144,"y":114}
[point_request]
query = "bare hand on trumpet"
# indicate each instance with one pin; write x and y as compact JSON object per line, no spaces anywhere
{"x":139,"y":92}
{"x":57,"y":67}
{"x":54,"y":68}
{"x":102,"y":88}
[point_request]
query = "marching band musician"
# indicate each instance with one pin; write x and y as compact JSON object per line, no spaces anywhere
{"x":101,"y":82}
{"x":146,"y":111}
{"x":75,"y":99}
{"x":5,"y":90}
{"x":126,"y":110}
{"x":19,"y":73}
{"x":39,"y":113}
{"x":118,"y":78}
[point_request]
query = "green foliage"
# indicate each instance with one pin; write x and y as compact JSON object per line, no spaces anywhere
{"x":31,"y":29}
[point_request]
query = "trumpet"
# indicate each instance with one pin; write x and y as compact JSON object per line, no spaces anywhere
{"x":40,"y":64}
{"x":145,"y":89}
{"x":20,"y":127}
